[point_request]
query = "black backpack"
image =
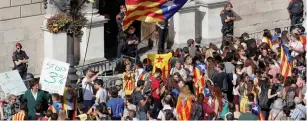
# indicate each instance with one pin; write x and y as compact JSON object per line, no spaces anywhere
{"x":298,"y":7}
{"x":80,"y":91}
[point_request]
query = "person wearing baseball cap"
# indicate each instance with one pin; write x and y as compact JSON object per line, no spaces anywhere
{"x":227,"y":17}
{"x":20,"y":60}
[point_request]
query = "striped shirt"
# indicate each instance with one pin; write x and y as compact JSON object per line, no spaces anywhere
{"x":19,"y":116}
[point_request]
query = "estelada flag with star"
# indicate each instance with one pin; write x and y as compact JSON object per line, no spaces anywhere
{"x":199,"y":78}
{"x":150,"y":10}
{"x":161,"y":61}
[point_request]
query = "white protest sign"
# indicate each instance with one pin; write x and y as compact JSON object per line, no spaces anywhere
{"x":11,"y":83}
{"x":53,"y":76}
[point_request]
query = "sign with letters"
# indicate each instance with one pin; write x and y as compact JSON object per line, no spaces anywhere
{"x":12,"y":83}
{"x":53,"y":76}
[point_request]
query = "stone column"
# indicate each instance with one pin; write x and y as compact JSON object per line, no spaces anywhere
{"x":198,"y":19}
{"x":92,"y":42}
{"x":55,"y":45}
{"x":209,"y":16}
{"x":183,"y":24}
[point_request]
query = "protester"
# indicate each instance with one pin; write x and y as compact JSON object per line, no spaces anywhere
{"x":34,"y":96}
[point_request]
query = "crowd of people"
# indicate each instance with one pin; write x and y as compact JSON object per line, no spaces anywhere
{"x":241,"y":80}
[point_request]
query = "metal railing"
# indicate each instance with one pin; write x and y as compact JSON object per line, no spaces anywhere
{"x":106,"y":66}
{"x":259,"y":34}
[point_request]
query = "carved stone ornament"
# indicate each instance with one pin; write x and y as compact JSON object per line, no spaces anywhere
{"x":62,"y":5}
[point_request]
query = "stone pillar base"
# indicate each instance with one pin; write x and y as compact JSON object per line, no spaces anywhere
{"x":93,"y":39}
{"x":55,"y":45}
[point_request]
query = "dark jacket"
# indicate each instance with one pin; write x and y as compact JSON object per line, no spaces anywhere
{"x":42,"y":98}
{"x":20,"y":56}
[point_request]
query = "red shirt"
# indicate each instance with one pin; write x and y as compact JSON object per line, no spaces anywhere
{"x":155,"y":84}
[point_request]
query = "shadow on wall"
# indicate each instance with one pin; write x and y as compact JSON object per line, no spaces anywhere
{"x":171,"y":34}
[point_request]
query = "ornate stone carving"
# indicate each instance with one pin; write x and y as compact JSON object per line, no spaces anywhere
{"x":62,"y":5}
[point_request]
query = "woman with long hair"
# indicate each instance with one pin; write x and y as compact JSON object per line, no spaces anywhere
{"x":249,"y":67}
{"x":217,"y":101}
{"x":211,"y":67}
{"x":184,"y":104}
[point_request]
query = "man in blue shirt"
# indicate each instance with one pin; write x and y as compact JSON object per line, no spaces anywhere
{"x":115,"y":105}
{"x":277,"y":34}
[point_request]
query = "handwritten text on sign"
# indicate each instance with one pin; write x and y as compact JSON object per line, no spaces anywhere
{"x":11,"y":83}
{"x":53,"y":76}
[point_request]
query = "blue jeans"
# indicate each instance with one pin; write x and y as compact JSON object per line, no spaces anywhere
{"x":142,"y":115}
{"x":87,"y":105}
{"x":265,"y":114}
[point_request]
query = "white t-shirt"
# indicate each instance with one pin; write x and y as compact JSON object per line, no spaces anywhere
{"x":295,"y":44}
{"x":102,"y":95}
{"x":161,"y":114}
{"x":88,"y":90}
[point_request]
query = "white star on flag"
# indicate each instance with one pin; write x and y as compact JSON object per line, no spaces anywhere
{"x":170,"y":4}
{"x":255,"y":108}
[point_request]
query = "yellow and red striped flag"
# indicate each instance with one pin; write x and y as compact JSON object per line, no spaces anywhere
{"x":161,"y":61}
{"x":19,"y":116}
{"x":268,"y":40}
{"x":184,"y":108}
{"x":199,"y":79}
{"x":303,"y":39}
{"x":286,"y":63}
{"x":150,"y":10}
{"x":128,"y":80}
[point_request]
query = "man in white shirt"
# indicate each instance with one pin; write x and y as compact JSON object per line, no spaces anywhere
{"x":101,"y":94}
{"x":166,"y":107}
{"x":119,"y":86}
{"x":87,"y":86}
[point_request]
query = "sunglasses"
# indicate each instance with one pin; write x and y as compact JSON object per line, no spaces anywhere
{"x":118,"y":85}
{"x":18,"y":48}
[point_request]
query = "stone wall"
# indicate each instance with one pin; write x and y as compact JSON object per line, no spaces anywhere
{"x":20,"y":21}
{"x":256,"y":15}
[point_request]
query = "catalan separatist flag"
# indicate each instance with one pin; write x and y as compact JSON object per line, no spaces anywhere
{"x":184,"y":108}
{"x":269,"y":41}
{"x":199,"y":79}
{"x":161,"y":61}
{"x":128,"y":80}
{"x":261,"y":116}
{"x":55,"y":107}
{"x":144,"y":76}
{"x":65,"y":104}
{"x":150,"y":10}
{"x":286,"y":63}
{"x":19,"y":116}
{"x":303,"y":39}
{"x":91,"y":111}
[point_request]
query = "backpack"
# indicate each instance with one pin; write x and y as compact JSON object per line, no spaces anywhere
{"x":80,"y":91}
{"x":225,"y":109}
{"x":290,"y":95}
{"x":118,"y":110}
{"x":298,"y":7}
{"x":264,"y":101}
{"x":147,"y":88}
{"x":225,"y":83}
{"x":238,"y":79}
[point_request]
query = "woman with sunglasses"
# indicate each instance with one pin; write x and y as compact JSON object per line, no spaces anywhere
{"x":20,"y":60}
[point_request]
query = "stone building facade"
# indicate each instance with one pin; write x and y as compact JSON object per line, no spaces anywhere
{"x":21,"y":21}
{"x":257,"y":15}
